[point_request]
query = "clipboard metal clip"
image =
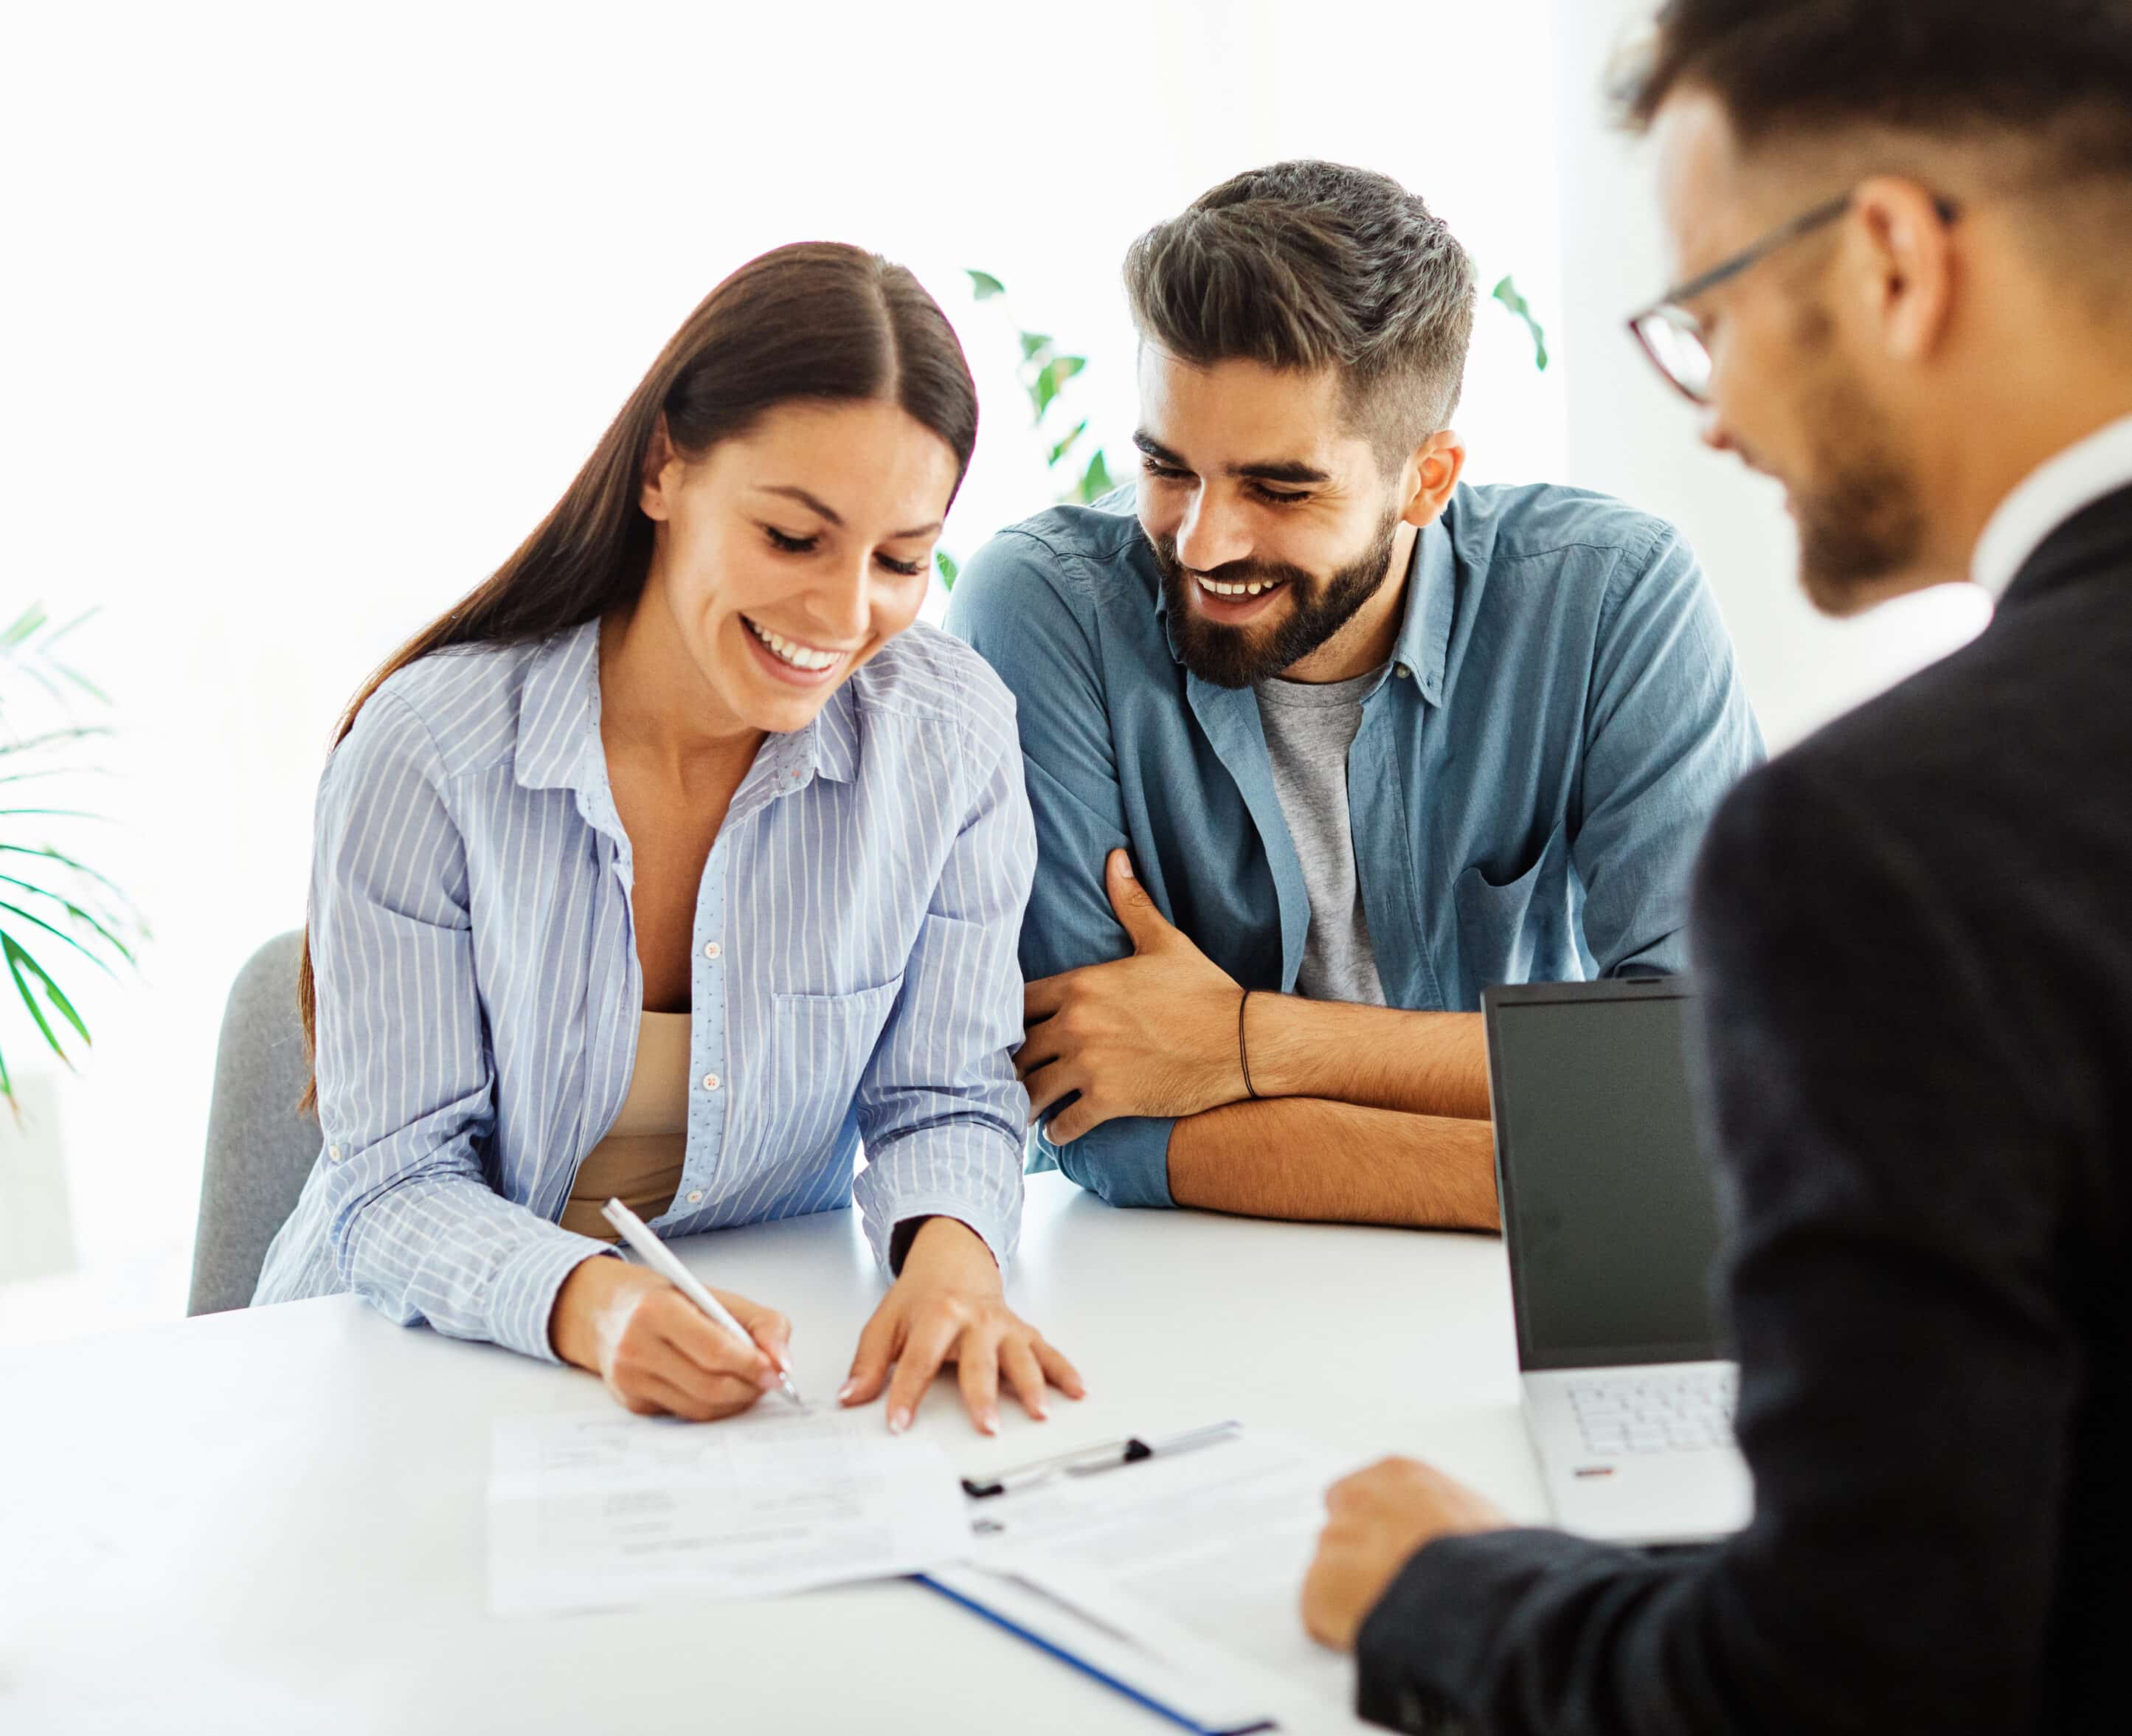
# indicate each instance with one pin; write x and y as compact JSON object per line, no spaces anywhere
{"x":1088,"y":1461}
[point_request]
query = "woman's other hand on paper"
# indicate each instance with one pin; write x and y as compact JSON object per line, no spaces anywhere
{"x":950,"y":1305}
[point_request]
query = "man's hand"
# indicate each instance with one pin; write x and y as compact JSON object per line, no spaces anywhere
{"x":948,"y":1307}
{"x":1154,"y":1034}
{"x":1378,"y":1518}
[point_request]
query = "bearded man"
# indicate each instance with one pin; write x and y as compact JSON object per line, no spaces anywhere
{"x":1321,"y":740}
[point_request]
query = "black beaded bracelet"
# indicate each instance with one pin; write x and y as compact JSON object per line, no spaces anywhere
{"x":1243,"y":1055}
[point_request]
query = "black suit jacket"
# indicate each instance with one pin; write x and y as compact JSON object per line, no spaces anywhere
{"x":1913,"y":935}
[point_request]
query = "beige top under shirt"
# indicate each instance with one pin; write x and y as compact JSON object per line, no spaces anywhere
{"x":640,"y":1161}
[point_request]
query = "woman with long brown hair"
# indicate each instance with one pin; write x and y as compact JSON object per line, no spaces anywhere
{"x":676,"y":860}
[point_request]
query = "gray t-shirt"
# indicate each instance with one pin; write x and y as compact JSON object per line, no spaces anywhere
{"x":1309,"y":730}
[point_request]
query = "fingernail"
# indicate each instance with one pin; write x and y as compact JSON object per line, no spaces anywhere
{"x":989,"y":1422}
{"x":766,"y":1379}
{"x":845,"y":1392}
{"x":1125,"y":865}
{"x":1042,"y":1413}
{"x":898,"y":1422}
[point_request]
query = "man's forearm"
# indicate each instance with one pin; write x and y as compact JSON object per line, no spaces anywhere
{"x":1429,"y":1063}
{"x":1303,"y":1157}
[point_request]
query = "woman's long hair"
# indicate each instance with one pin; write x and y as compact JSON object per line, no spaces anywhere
{"x":815,"y":321}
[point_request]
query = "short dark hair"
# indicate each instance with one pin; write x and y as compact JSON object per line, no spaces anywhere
{"x":2058,"y":72}
{"x":1308,"y":265}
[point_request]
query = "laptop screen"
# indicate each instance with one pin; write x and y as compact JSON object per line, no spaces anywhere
{"x":1608,"y":1208}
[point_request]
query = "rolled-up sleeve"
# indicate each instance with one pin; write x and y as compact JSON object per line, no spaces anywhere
{"x":1667,"y":732}
{"x":1008,"y":606}
{"x":938,"y":1104}
{"x":405,"y":1078}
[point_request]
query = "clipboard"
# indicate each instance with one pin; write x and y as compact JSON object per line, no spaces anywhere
{"x":1064,"y":1628}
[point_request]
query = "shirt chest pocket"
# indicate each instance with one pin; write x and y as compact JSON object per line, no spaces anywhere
{"x":821,"y":1044}
{"x":1517,"y":930}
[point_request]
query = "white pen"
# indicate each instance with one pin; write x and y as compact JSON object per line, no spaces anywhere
{"x":660,"y":1257}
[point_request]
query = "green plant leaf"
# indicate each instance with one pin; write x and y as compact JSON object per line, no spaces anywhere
{"x":16,"y":910}
{"x":1095,"y":480}
{"x":1044,"y":388}
{"x":37,"y":661}
{"x":82,"y":681}
{"x":1063,"y":447}
{"x":22,"y":626}
{"x":1053,"y":374}
{"x":983,"y":285}
{"x":59,"y":633}
{"x":950,"y":567}
{"x":87,"y":918}
{"x":1035,"y":343}
{"x":49,"y":877}
{"x":49,"y":854}
{"x":1506,"y":292}
{"x":20,"y":961}
{"x":73,"y":732}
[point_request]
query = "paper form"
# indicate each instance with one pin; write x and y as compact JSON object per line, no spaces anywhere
{"x":605,"y":1510}
{"x":1216,"y":1542}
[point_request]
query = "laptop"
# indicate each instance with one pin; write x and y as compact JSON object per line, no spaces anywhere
{"x":1610,"y":1223}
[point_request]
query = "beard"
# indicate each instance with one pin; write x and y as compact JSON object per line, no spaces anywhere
{"x":1239,"y":657}
{"x":1861,"y":528}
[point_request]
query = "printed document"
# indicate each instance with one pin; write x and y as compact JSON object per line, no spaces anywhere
{"x":604,"y":1510}
{"x":1214,"y":1541}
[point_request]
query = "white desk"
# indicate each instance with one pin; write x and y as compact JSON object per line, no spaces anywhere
{"x":273,"y":1521}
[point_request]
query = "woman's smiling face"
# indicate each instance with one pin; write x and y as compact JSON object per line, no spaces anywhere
{"x":786,"y":556}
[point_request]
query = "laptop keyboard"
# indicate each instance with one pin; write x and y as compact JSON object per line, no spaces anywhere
{"x":1650,"y":1412}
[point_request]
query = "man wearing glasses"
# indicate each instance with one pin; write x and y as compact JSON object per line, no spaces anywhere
{"x":1321,"y":740}
{"x":1905,"y":234}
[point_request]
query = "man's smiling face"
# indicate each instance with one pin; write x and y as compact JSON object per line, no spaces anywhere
{"x":1271,"y":516}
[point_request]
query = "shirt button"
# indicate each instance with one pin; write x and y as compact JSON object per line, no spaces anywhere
{"x":710,"y":1081}
{"x":334,"y":1153}
{"x":710,"y":949}
{"x":1401,"y":670}
{"x":695,"y":1196}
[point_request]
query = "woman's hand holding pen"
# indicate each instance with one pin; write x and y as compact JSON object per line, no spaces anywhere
{"x":949,"y":1304}
{"x":656,"y":1350}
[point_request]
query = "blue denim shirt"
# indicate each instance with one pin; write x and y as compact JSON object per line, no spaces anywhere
{"x":1528,"y":785}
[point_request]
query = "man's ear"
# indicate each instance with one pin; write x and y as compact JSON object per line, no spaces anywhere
{"x":1430,"y":475}
{"x":1905,"y":274}
{"x":653,"y":492}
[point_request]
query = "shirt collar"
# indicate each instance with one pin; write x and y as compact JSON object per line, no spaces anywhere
{"x":558,"y":719}
{"x":1425,"y":635}
{"x":1424,"y":638}
{"x":2048,"y":495}
{"x":828,"y":746}
{"x":559,"y":711}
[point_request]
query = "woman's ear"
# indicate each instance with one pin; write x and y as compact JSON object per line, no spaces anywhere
{"x":659,"y":466}
{"x":1431,"y":474}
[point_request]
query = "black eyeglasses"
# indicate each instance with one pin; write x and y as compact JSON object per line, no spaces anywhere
{"x":1672,"y":336}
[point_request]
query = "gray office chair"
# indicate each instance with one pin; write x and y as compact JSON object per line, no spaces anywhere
{"x":259,"y":1149}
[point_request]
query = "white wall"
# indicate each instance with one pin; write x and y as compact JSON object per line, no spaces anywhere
{"x":310,"y":313}
{"x":1631,"y":434}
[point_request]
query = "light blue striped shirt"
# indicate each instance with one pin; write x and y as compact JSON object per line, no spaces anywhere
{"x":853,"y":975}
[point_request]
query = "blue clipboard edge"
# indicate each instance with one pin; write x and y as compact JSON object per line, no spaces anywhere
{"x":1085,"y":1668}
